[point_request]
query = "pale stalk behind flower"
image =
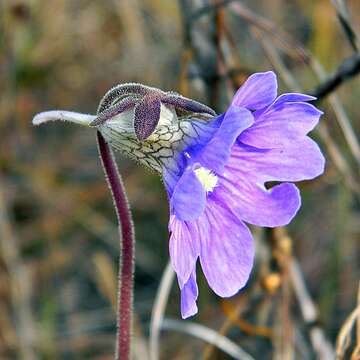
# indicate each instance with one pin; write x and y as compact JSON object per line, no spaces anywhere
{"x":309,"y":311}
{"x":157,"y":316}
{"x":209,"y":335}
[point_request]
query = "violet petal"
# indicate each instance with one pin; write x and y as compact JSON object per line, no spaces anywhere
{"x":189,"y":294}
{"x":258,"y":91}
{"x":188,"y":200}
{"x":227,"y":251}
{"x":281,"y":125}
{"x":184,"y":248}
{"x":216,"y":152}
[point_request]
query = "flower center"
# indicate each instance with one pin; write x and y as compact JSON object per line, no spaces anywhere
{"x":207,"y":179}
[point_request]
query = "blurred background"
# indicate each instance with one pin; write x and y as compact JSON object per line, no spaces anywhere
{"x":59,"y":244}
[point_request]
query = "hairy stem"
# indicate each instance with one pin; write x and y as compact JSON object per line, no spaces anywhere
{"x":127,"y":249}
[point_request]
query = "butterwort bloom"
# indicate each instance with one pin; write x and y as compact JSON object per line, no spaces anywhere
{"x":216,"y":170}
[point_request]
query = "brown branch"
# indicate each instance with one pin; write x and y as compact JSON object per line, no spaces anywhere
{"x":320,"y":343}
{"x":208,"y":9}
{"x":345,"y":22}
{"x":349,"y":68}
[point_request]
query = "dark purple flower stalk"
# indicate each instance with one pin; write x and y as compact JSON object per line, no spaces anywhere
{"x":127,"y":243}
{"x":127,"y":250}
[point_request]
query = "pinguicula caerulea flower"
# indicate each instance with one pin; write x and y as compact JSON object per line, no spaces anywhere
{"x":216,"y":169}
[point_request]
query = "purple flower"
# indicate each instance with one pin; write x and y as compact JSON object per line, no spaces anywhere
{"x":218,"y":185}
{"x":215,"y":169}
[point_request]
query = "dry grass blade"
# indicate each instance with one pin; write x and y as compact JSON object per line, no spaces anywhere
{"x":321,"y":345}
{"x":158,"y":310}
{"x":211,"y":336}
{"x":344,"y":18}
{"x":233,"y":312}
{"x":283,"y":40}
{"x":356,"y":352}
{"x":338,"y":158}
{"x":341,"y":116}
{"x":19,"y":281}
{"x":129,"y":14}
{"x":343,"y":339}
{"x":346,"y":127}
{"x":232,"y":315}
{"x":259,"y":21}
{"x":105,"y":277}
{"x":275,"y":59}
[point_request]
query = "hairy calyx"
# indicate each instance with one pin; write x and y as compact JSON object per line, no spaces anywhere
{"x":148,"y":124}
{"x":146,"y":102}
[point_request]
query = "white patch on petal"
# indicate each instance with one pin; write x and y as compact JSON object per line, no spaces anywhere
{"x":207,"y":179}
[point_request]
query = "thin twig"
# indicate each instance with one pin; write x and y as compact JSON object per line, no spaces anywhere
{"x":158,"y":310}
{"x":321,"y":345}
{"x":233,"y":318}
{"x":345,"y":333}
{"x":356,"y":353}
{"x":332,"y":148}
{"x":211,"y":336}
{"x":358,"y":324}
{"x":208,"y":9}
{"x":261,"y":22}
{"x":345,"y":124}
{"x":126,"y":268}
{"x":335,"y":154}
{"x":344,"y":18}
{"x":285,"y":324}
{"x":343,"y":73}
{"x":274,"y":57}
{"x":341,"y":116}
{"x":349,"y":68}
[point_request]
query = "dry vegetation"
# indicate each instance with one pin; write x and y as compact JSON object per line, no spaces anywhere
{"x":58,"y":235}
